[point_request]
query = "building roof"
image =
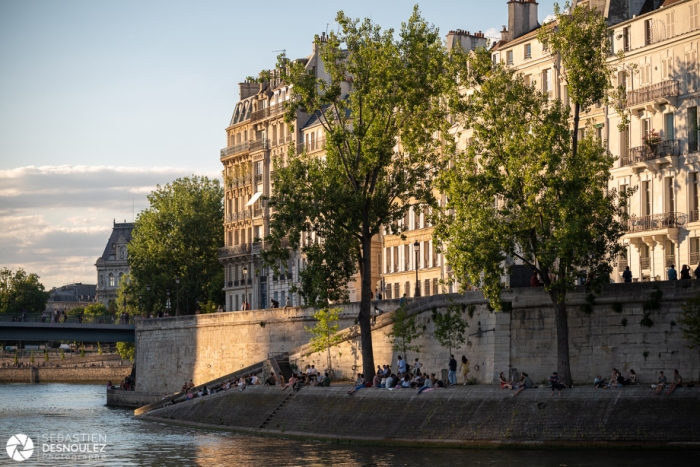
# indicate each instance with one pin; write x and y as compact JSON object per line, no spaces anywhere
{"x":73,"y":293}
{"x":122,"y":230}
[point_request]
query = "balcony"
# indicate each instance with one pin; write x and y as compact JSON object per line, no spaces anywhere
{"x":667,"y":220}
{"x":238,"y":216}
{"x":258,"y":178}
{"x":621,"y":264}
{"x":257,"y":212}
{"x":227,"y":251}
{"x":670,"y":260}
{"x":694,"y":257}
{"x":235,"y":149}
{"x":649,"y":153}
{"x":312,"y":146}
{"x":259,"y":144}
{"x":646,"y":262}
{"x":654,"y":93}
{"x":267,"y":112}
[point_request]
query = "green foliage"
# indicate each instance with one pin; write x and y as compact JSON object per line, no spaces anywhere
{"x":94,"y":310}
{"x":623,"y":322}
{"x":126,"y":350}
{"x":472,"y":381}
{"x":654,"y":302}
{"x":82,"y":350}
{"x":99,"y":349}
{"x":645,"y":354}
{"x":690,"y":321}
{"x":21,"y":291}
{"x":646,"y":320}
{"x":470,"y":310}
{"x":31,"y":357}
{"x":325,"y":332}
{"x":46,"y":355}
{"x":450,"y":328}
{"x":177,"y":236}
{"x":63,"y":354}
{"x":506,"y":307}
{"x":587,"y":308}
{"x":77,"y":311}
{"x":365,"y":181}
{"x":617,"y":307}
{"x":403,"y":332}
{"x":262,"y":324}
{"x":16,"y":357}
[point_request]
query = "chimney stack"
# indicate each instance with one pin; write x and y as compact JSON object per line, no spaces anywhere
{"x":522,"y":18}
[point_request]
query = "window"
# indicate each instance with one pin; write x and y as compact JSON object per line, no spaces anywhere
{"x":509,"y":57}
{"x":387,"y":292}
{"x":624,"y":142}
{"x":397,"y":290}
{"x":670,"y":24}
{"x":496,"y":58}
{"x":599,"y":132}
{"x":644,"y":256}
{"x":546,"y":82}
{"x":670,"y":195}
{"x":527,"y":79}
{"x":435,"y":287}
{"x":623,"y":189}
{"x":407,"y":288}
{"x":694,"y":23}
{"x":669,"y":130}
{"x":646,"y":128}
{"x":648,"y":32}
{"x":111,"y":279}
{"x":695,"y":202}
{"x":626,"y":39}
{"x":693,"y":129}
{"x":645,"y":73}
{"x":528,"y":51}
{"x":667,"y":68}
{"x":426,"y":288}
{"x":646,"y":198}
{"x":694,"y":250}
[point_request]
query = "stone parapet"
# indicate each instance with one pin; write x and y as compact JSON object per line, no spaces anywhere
{"x":53,"y":375}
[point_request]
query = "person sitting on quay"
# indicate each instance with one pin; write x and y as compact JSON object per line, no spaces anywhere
{"x":427,"y":383}
{"x":616,"y":380}
{"x":406,"y":383}
{"x":190,"y":395}
{"x":555,"y":384}
{"x":599,"y":382}
{"x":661,"y":383}
{"x":359,"y":384}
{"x":377,"y":380}
{"x":184,"y":387}
{"x":505,"y":384}
{"x":272,"y":380}
{"x":525,"y":383}
{"x":631,"y":377}
{"x":677,"y":382}
{"x":326,"y":382}
{"x":292,"y":381}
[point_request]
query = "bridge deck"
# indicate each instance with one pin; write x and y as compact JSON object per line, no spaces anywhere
{"x":71,"y":331}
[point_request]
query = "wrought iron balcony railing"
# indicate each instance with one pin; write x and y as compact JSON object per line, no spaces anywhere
{"x":235,"y":149}
{"x":669,"y":88}
{"x":234,"y":250}
{"x":650,"y":152}
{"x":646,"y":262}
{"x":667,"y":220}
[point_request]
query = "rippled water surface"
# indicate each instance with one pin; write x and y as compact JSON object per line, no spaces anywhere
{"x":49,"y":411}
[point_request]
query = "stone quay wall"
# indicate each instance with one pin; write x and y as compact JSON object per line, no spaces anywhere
{"x":131,"y":399}
{"x":474,"y":415}
{"x":55,"y":375}
{"x":170,"y":351}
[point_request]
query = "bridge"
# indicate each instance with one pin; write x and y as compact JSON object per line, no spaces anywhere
{"x":38,"y":327}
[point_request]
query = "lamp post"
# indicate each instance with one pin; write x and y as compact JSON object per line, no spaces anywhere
{"x":177,"y":292}
{"x":167,"y":302}
{"x":416,"y":248}
{"x":148,"y":289}
{"x":245,"y":282}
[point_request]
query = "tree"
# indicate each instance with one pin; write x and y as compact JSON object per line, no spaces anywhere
{"x":518,"y":192}
{"x":690,"y":321}
{"x":21,"y":291}
{"x":126,"y":350}
{"x":403,"y":332}
{"x":325,"y":332}
{"x":579,"y":39}
{"x":178,"y":235}
{"x":381,"y":154}
{"x":449,"y":328}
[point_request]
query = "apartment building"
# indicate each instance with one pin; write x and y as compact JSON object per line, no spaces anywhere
{"x":658,"y":150}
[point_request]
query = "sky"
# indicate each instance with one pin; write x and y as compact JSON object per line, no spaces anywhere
{"x":101,"y":101}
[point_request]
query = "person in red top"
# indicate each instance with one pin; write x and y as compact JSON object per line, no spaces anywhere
{"x":534,"y":280}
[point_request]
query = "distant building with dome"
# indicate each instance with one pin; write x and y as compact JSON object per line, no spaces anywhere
{"x":113,"y":264}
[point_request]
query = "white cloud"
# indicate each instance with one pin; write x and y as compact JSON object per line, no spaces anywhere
{"x":56,"y":220}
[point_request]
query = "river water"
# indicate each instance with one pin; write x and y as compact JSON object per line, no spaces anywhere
{"x":74,"y":417}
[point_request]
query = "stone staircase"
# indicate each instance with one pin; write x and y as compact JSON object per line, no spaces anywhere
{"x":269,"y":418}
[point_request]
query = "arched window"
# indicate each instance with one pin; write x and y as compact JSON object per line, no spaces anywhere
{"x":122,"y":252}
{"x":111,"y":279}
{"x":102,"y":280}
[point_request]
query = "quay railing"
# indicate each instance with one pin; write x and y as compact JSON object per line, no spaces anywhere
{"x":50,"y":317}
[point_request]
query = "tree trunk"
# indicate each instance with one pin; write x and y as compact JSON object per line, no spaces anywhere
{"x":562,"y":322}
{"x":365,"y":318}
{"x":574,"y":137}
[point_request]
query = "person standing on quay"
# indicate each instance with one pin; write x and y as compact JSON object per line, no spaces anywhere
{"x":465,"y":369}
{"x":627,"y":275}
{"x":452,"y":375}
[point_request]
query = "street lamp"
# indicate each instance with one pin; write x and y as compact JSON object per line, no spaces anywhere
{"x":177,"y":292}
{"x":167,"y":301}
{"x":416,"y":248}
{"x":245,"y":282}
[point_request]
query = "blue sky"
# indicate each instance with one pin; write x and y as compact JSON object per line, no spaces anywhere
{"x":100,"y":101}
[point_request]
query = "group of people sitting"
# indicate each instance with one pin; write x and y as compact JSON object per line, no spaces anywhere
{"x":406,"y":377}
{"x":522,"y":384}
{"x":616,"y":380}
{"x":662,"y":382}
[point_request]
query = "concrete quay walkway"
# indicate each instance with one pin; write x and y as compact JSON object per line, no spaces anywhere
{"x":459,"y":415}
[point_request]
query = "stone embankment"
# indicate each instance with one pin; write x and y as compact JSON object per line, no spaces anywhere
{"x":64,"y":375}
{"x":457,"y":416}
